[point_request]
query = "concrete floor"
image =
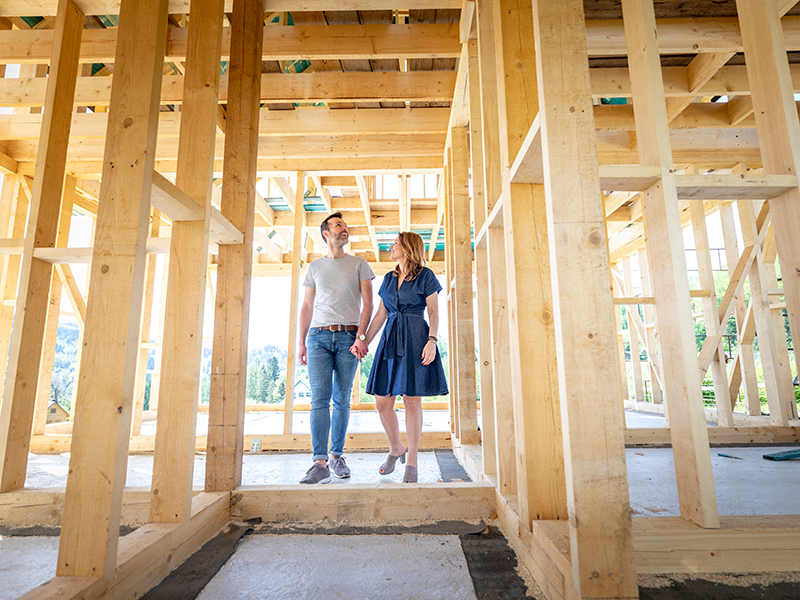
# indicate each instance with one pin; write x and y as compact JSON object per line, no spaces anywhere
{"x":365,"y":567}
{"x":748,"y":485}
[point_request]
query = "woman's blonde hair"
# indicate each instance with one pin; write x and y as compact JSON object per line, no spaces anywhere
{"x":414,"y":249}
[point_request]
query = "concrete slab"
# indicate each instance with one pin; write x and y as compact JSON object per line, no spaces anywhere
{"x":643,"y":420}
{"x":257,"y":469}
{"x":390,"y":567}
{"x":25,"y":563}
{"x":751,"y":486}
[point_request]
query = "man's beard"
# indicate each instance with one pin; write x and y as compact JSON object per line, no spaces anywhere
{"x":339,"y":241}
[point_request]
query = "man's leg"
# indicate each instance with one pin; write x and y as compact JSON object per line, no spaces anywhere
{"x":320,"y":374}
{"x":344,"y":370}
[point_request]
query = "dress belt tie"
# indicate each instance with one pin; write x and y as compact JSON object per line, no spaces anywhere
{"x":395,"y":330}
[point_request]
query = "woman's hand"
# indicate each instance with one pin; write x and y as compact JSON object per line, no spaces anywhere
{"x":428,"y":353}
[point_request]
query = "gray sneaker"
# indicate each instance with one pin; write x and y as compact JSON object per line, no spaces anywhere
{"x":317,"y":474}
{"x":339,"y":468}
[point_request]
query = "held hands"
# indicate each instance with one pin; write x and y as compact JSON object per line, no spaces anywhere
{"x":428,"y":353}
{"x":359,"y":349}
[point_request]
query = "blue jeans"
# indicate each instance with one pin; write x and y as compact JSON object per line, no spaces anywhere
{"x":331,"y":368}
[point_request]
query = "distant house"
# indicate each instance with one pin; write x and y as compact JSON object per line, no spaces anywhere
{"x":55,"y":413}
{"x":302,"y":392}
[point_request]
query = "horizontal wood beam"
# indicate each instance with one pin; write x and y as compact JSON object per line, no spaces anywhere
{"x":740,"y":436}
{"x":297,"y":147}
{"x":22,"y":8}
{"x":310,"y":42}
{"x":379,"y":218}
{"x":384,"y":86}
{"x":379,"y":86}
{"x":435,"y":501}
{"x":604,"y":37}
{"x":395,"y":121}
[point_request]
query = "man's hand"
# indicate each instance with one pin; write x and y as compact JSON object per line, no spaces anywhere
{"x":301,"y":353}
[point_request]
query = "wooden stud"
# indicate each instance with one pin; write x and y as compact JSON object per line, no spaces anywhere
{"x":636,"y":363}
{"x":16,"y":203}
{"x":541,"y":484}
{"x":779,"y":396}
{"x":99,"y":452}
{"x":464,"y":343}
{"x":779,"y":134}
{"x":182,"y":347}
{"x":744,"y":364}
{"x":232,"y":313}
{"x":35,"y":276}
{"x":53,"y":313}
{"x":484,"y":345}
{"x":706,"y":276}
{"x":144,"y":335}
{"x":601,"y":545}
{"x":503,"y":391}
{"x":676,"y":334}
{"x":291,"y":355}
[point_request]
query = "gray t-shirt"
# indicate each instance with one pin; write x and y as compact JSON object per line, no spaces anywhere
{"x":337,"y":282}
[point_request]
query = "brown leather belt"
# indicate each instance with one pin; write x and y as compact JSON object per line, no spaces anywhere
{"x":340,"y":327}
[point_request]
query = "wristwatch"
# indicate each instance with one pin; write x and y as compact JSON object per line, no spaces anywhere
{"x":362,"y":337}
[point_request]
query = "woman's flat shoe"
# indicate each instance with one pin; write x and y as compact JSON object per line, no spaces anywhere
{"x":388,"y":466}
{"x":411,"y":474}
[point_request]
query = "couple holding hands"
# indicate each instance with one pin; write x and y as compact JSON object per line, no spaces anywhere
{"x":335,"y":332}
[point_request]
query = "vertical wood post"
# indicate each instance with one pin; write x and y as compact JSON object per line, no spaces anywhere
{"x":173,"y":457}
{"x":601,"y":540}
{"x":651,"y":326}
{"x":16,"y":203}
{"x":232,"y":314}
{"x":664,"y":238}
{"x":464,"y":345}
{"x":541,"y":484}
{"x":743,"y":373}
{"x":488,"y":424}
{"x":100,"y":438}
{"x":503,"y":390}
{"x":144,"y":334}
{"x":636,"y":362}
{"x":53,"y":313}
{"x":291,"y":354}
{"x":719,"y":373}
{"x":778,"y":135}
{"x":35,"y":275}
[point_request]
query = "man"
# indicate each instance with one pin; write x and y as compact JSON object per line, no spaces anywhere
{"x":336,"y":285}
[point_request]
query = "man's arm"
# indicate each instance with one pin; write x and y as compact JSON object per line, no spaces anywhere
{"x":306,"y":312}
{"x":366,"y":313}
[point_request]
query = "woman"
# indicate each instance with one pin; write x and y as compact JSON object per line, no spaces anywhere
{"x":407,"y":361}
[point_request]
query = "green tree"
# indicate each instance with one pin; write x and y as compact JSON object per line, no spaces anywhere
{"x":205,"y":388}
{"x":273,"y":369}
{"x":146,"y":403}
{"x":262,"y":384}
{"x":252,"y":380}
{"x":280,"y":391}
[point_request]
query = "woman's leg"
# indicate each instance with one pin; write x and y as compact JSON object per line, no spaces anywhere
{"x":413,"y":426}
{"x":385,"y":405}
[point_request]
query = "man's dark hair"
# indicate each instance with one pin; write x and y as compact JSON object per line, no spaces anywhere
{"x":323,"y":227}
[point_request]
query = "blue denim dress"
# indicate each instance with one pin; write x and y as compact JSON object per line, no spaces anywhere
{"x":397,"y":368}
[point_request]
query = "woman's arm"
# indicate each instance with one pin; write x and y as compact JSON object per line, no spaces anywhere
{"x":429,"y":351}
{"x":377,"y":322}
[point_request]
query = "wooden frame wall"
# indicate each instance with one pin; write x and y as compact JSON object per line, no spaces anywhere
{"x":548,"y":250}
